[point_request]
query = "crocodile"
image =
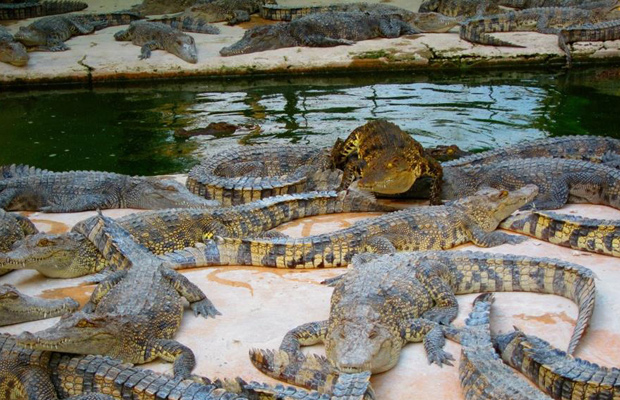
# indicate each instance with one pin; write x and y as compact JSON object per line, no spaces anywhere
{"x":25,"y":188}
{"x":482,"y":373}
{"x":559,"y":181}
{"x":573,"y":231}
{"x":561,"y":376}
{"x":230,"y":11}
{"x":320,"y":30}
{"x":188,"y":24}
{"x":469,"y":219}
{"x":11,"y":51}
{"x":385,"y":301}
{"x":159,"y":36}
{"x":548,"y":20}
{"x":16,"y":307}
{"x":132,"y":314}
{"x":423,"y":22}
{"x":72,"y":254}
{"x":34,"y":9}
{"x":50,"y":33}
{"x":460,"y":8}
{"x":589,"y":4}
{"x":13,"y":227}
{"x":598,"y":32}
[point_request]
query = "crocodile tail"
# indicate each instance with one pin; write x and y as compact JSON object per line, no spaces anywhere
{"x":477,"y":272}
{"x":98,"y":233}
{"x":20,"y":170}
{"x":33,"y":10}
{"x":115,"y":18}
{"x":189,"y":24}
{"x":474,"y":30}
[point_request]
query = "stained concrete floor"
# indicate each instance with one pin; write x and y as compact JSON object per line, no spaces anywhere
{"x":259,"y":305}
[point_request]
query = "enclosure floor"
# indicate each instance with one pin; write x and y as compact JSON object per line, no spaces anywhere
{"x":97,"y":57}
{"x":259,"y":305}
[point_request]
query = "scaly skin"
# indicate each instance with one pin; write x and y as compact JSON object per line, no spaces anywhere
{"x":559,"y":181}
{"x":50,"y":33}
{"x":561,"y":376}
{"x":548,"y":20}
{"x":470,"y":219}
{"x":188,"y":24}
{"x":579,"y":233}
{"x":11,"y":51}
{"x":588,"y":4}
{"x":158,"y":36}
{"x":231,"y":11}
{"x":599,"y":32}
{"x":388,"y":160}
{"x":598,"y":149}
{"x":28,"y":188}
{"x":385,"y":301}
{"x":16,"y":307}
{"x":482,"y":373}
{"x":13,"y":227}
{"x":459,"y":8}
{"x":132,"y":314}
{"x":73,"y":254}
{"x":36,"y":9}
{"x":320,"y":30}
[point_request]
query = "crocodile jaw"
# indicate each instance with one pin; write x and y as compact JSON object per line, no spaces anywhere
{"x":154,"y":193}
{"x":16,"y":307}
{"x":14,"y":53}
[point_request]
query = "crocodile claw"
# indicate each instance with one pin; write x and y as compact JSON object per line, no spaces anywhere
{"x":440,"y":358}
{"x":205,"y":308}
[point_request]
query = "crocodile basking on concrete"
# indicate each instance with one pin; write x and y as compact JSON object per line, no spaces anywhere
{"x":460,"y":8}
{"x":591,"y":32}
{"x":320,"y":30}
{"x":73,"y":254}
{"x":28,"y":188}
{"x":385,"y":301}
{"x":470,"y":219}
{"x":34,"y":9}
{"x":11,"y":51}
{"x":16,"y":307}
{"x":134,"y":313}
{"x":548,"y":20}
{"x":230,"y":11}
{"x":587,"y":4}
{"x":50,"y":33}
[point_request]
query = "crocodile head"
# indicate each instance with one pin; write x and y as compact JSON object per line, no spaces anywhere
{"x":79,"y":333}
{"x":184,"y":47}
{"x":155,"y":193}
{"x":390,"y":173}
{"x":13,"y":53}
{"x":16,"y":307}
{"x":260,"y":38}
{"x":66,"y":255}
{"x":31,"y":37}
{"x":488,"y":207}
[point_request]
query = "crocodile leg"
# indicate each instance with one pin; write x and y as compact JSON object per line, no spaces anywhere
{"x":197,"y":299}
{"x":173,"y":351}
{"x":323,"y":41}
{"x":102,"y":289}
{"x":145,"y":50}
{"x":304,"y":335}
{"x":6,"y":197}
{"x":379,"y":245}
{"x":491,"y":239}
{"x":433,"y":337}
{"x":446,"y":306}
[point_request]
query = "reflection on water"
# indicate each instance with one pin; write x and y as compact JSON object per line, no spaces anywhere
{"x":130,"y":129}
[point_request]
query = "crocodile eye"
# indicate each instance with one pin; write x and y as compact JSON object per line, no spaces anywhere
{"x":44,"y":242}
{"x":372,"y":334}
{"x":503,"y":193}
{"x":84,"y":323}
{"x":8,"y":295}
{"x":341,"y":334}
{"x":389,"y":165}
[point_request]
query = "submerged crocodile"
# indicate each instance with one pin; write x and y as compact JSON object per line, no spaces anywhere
{"x":385,"y":301}
{"x":16,"y":307}
{"x":482,"y":373}
{"x":132,"y":314}
{"x":460,"y":8}
{"x":28,"y":188}
{"x":13,"y":227}
{"x":548,"y":20}
{"x":470,"y":219}
{"x":34,"y":9}
{"x":74,"y":254}
{"x":320,"y":30}
{"x":590,"y":32}
{"x":11,"y":51}
{"x":50,"y":33}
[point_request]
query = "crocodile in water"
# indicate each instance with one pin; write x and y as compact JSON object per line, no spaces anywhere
{"x":34,"y":9}
{"x":50,"y":33}
{"x":11,"y":51}
{"x":470,"y":219}
{"x":385,"y":301}
{"x":16,"y":307}
{"x":320,"y":30}
{"x":28,"y":188}
{"x":72,"y":254}
{"x":132,"y":314}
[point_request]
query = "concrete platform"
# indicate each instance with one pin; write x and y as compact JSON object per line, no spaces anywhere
{"x":259,"y":305}
{"x":98,"y":58}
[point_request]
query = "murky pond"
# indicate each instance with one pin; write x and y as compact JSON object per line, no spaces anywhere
{"x":131,"y":129}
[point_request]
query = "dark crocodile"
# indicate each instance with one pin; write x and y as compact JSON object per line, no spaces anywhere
{"x":16,"y":307}
{"x":579,"y":233}
{"x":13,"y":227}
{"x":11,"y":51}
{"x":320,"y":30}
{"x":73,"y":254}
{"x":591,"y":32}
{"x":34,"y":9}
{"x":50,"y":33}
{"x":132,"y":314}
{"x":559,"y":181}
{"x":460,"y":8}
{"x":482,"y":373}
{"x":28,"y":188}
{"x":588,"y":4}
{"x":470,"y":219}
{"x":385,"y":301}
{"x":230,"y":11}
{"x":548,"y":20}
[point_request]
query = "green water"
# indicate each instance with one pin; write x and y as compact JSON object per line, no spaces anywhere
{"x":130,"y":129}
